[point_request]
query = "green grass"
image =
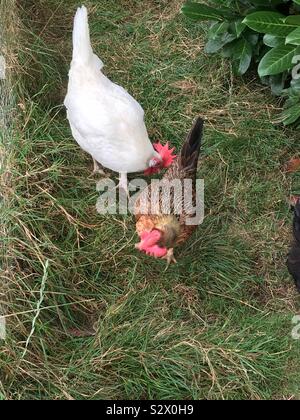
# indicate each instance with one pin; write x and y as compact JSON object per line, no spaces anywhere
{"x":218,"y":324}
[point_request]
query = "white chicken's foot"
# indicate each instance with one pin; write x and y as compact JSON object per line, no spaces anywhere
{"x":170,"y":258}
{"x":98,"y":169}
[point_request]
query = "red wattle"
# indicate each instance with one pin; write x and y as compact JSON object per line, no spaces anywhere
{"x":149,"y":245}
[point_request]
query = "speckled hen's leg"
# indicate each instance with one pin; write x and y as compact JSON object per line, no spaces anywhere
{"x":170,"y":257}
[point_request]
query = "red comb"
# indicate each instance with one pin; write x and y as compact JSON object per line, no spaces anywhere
{"x":165,"y":153}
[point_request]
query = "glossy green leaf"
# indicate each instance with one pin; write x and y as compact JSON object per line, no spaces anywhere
{"x":269,"y":23}
{"x":242,"y":55}
{"x":237,"y":28}
{"x":294,"y":37}
{"x":217,"y":29}
{"x":273,"y":40}
{"x":228,"y":49}
{"x":277,"y":60}
{"x":251,"y":36}
{"x":293,"y":20}
{"x":215,"y":45}
{"x":291,"y":115}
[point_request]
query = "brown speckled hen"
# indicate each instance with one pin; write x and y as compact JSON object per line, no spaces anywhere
{"x":161,"y":227}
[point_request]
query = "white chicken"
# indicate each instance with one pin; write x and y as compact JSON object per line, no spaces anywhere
{"x":105,"y":120}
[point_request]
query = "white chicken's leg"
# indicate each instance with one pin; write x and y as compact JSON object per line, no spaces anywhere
{"x":123,"y":184}
{"x":98,"y":169}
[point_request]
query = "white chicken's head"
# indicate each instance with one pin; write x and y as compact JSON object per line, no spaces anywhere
{"x":162,"y":158}
{"x":155,"y":164}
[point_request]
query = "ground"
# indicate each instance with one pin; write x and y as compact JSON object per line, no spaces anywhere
{"x":87,"y":315}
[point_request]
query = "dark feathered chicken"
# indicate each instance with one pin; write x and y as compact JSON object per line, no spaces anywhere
{"x":293,"y":261}
{"x":160,"y":228}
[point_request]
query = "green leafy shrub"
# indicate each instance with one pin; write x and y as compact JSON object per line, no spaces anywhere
{"x":264,"y":32}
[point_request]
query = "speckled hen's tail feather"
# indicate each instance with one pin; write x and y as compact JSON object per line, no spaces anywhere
{"x":192,"y":146}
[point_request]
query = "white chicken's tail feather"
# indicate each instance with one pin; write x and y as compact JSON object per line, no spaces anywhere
{"x":82,"y":49}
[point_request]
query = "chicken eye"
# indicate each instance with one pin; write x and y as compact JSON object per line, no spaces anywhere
{"x":153,"y":163}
